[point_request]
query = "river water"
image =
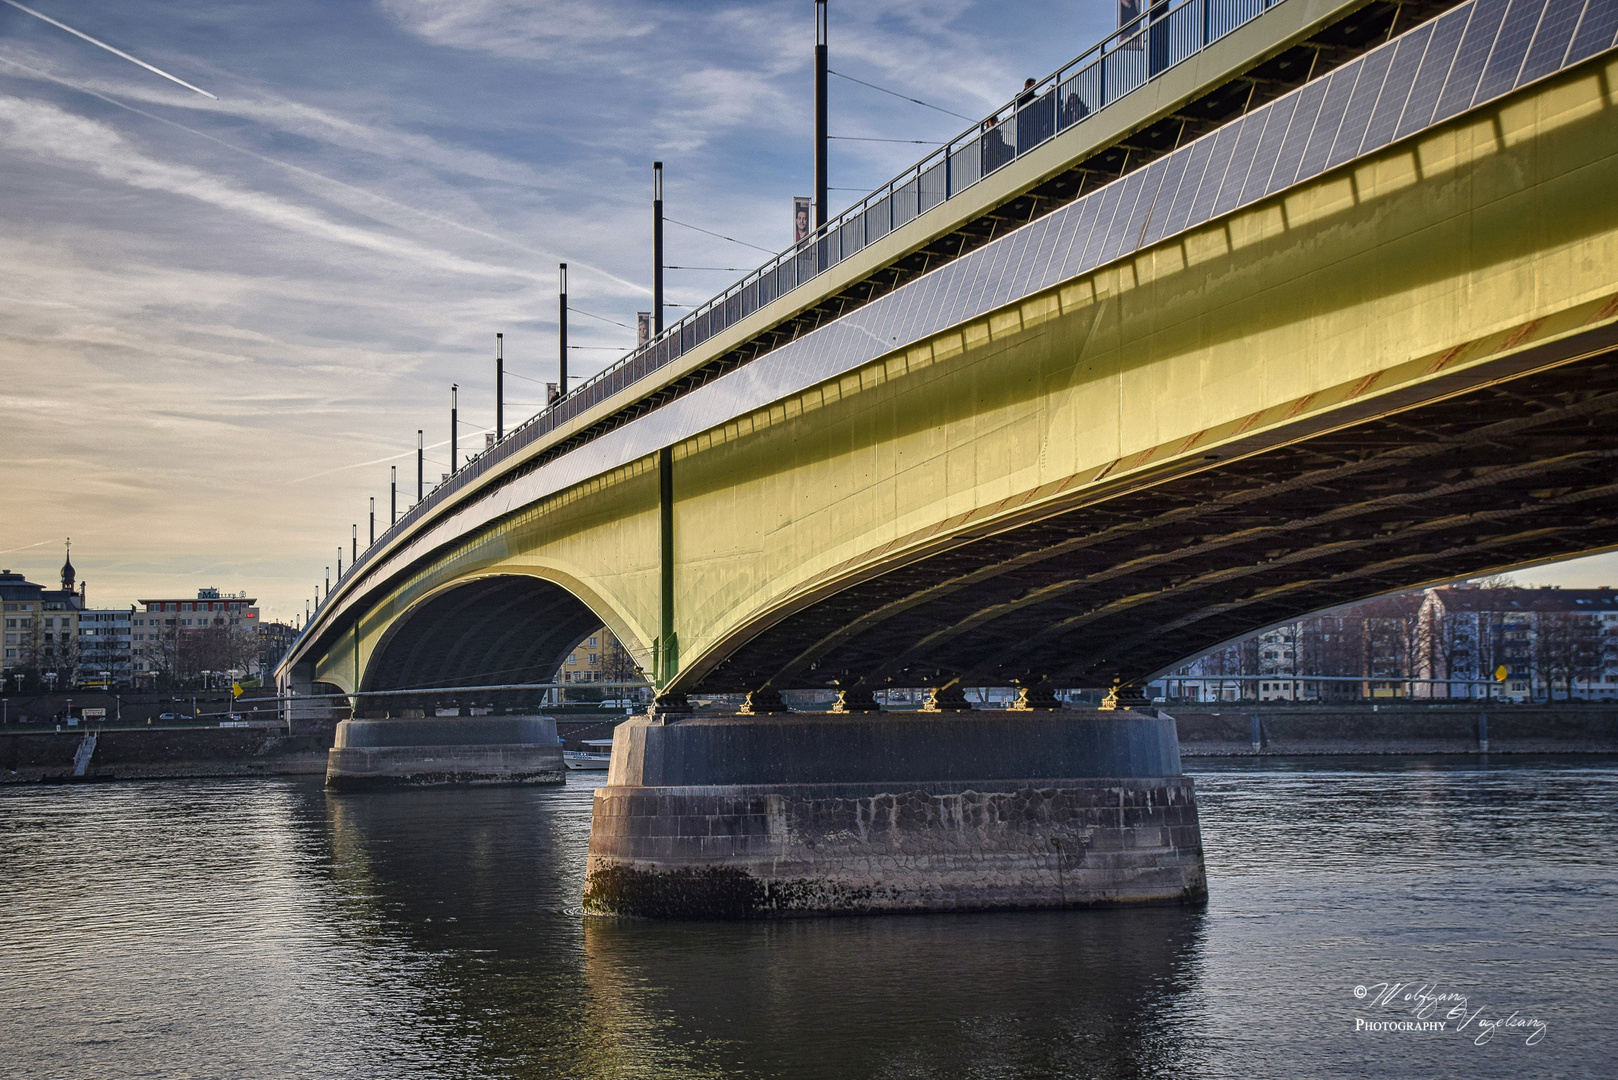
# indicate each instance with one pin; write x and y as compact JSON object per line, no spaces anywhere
{"x":263,"y":928}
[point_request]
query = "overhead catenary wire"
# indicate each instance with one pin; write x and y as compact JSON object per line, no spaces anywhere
{"x":603,"y":318}
{"x":722,"y":236}
{"x":902,"y":97}
{"x":872,"y":138}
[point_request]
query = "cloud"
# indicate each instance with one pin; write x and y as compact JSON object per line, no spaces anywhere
{"x":46,"y":131}
{"x":567,"y":31}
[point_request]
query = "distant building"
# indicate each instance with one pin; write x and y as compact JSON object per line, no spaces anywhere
{"x":41,"y":629}
{"x":274,"y":639}
{"x":105,"y":656}
{"x":599,"y":658}
{"x":1450,"y":642}
{"x":1549,"y":644}
{"x":583,"y":664}
{"x":182,"y":637}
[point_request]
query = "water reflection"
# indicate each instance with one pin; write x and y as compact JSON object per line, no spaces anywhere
{"x":488,"y":884}
{"x":1058,"y":993}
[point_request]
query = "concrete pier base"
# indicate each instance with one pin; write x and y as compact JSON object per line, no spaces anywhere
{"x":445,"y":750}
{"x":779,"y":816}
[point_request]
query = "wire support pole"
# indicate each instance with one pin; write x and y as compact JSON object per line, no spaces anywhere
{"x":657,"y":248}
{"x":561,"y":323}
{"x":820,"y":113}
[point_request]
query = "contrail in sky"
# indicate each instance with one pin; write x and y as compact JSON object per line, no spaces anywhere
{"x":316,"y":175}
{"x":109,"y":48}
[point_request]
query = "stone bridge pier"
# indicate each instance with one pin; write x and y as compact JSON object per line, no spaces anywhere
{"x":429,"y":751}
{"x":772,"y":816}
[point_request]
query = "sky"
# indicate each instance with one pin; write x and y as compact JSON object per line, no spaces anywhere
{"x":222,"y":319}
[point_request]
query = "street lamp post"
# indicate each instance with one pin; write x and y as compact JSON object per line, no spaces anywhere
{"x":419,"y":460}
{"x":454,"y":426}
{"x":561,"y":333}
{"x":499,"y":387}
{"x":820,"y":113}
{"x":393,"y":495}
{"x":657,"y":248}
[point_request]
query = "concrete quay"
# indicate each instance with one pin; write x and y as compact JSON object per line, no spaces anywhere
{"x":808,"y":814}
{"x":370,"y":753}
{"x":1233,"y":729}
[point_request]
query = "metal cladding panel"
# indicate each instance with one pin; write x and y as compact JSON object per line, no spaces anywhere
{"x":1330,"y":120}
{"x":1115,"y":241}
{"x":1106,"y":210}
{"x":1390,"y":105}
{"x":1476,"y":46}
{"x":1135,"y":227}
{"x":968,"y":288}
{"x":1357,"y":117}
{"x":1051,"y":244}
{"x":1241,"y":162}
{"x":1510,"y":47}
{"x":1029,"y":257}
{"x":1213,"y":177}
{"x":1446,"y":38}
{"x":1011,"y":273}
{"x":1551,"y":38}
{"x":1077,"y":220}
{"x":1268,"y":150}
{"x":1196,"y":163}
{"x":1309,"y":100}
{"x":1595,"y":33}
{"x":1173,"y":175}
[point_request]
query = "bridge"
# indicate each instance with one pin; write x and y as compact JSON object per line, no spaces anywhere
{"x":1251,"y":310}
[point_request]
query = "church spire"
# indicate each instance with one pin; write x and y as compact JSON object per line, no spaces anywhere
{"x":68,"y":573}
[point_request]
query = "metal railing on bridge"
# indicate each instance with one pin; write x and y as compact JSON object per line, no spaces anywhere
{"x":1158,"y":40}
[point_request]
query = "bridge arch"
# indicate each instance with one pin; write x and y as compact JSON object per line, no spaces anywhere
{"x":514,"y":625}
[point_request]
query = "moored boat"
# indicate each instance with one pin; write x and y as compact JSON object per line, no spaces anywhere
{"x":597,"y":754}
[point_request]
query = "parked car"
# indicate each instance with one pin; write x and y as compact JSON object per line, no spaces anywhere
{"x":171,"y":716}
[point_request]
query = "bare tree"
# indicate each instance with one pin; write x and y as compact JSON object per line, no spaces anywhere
{"x":1566,"y":647}
{"x":617,"y":665}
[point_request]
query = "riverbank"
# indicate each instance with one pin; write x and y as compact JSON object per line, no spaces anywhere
{"x":1303,"y":731}
{"x":147,"y":753}
{"x":169,"y":752}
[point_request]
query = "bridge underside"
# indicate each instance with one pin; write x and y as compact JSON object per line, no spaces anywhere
{"x":501,"y":629}
{"x":1118,"y":589}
